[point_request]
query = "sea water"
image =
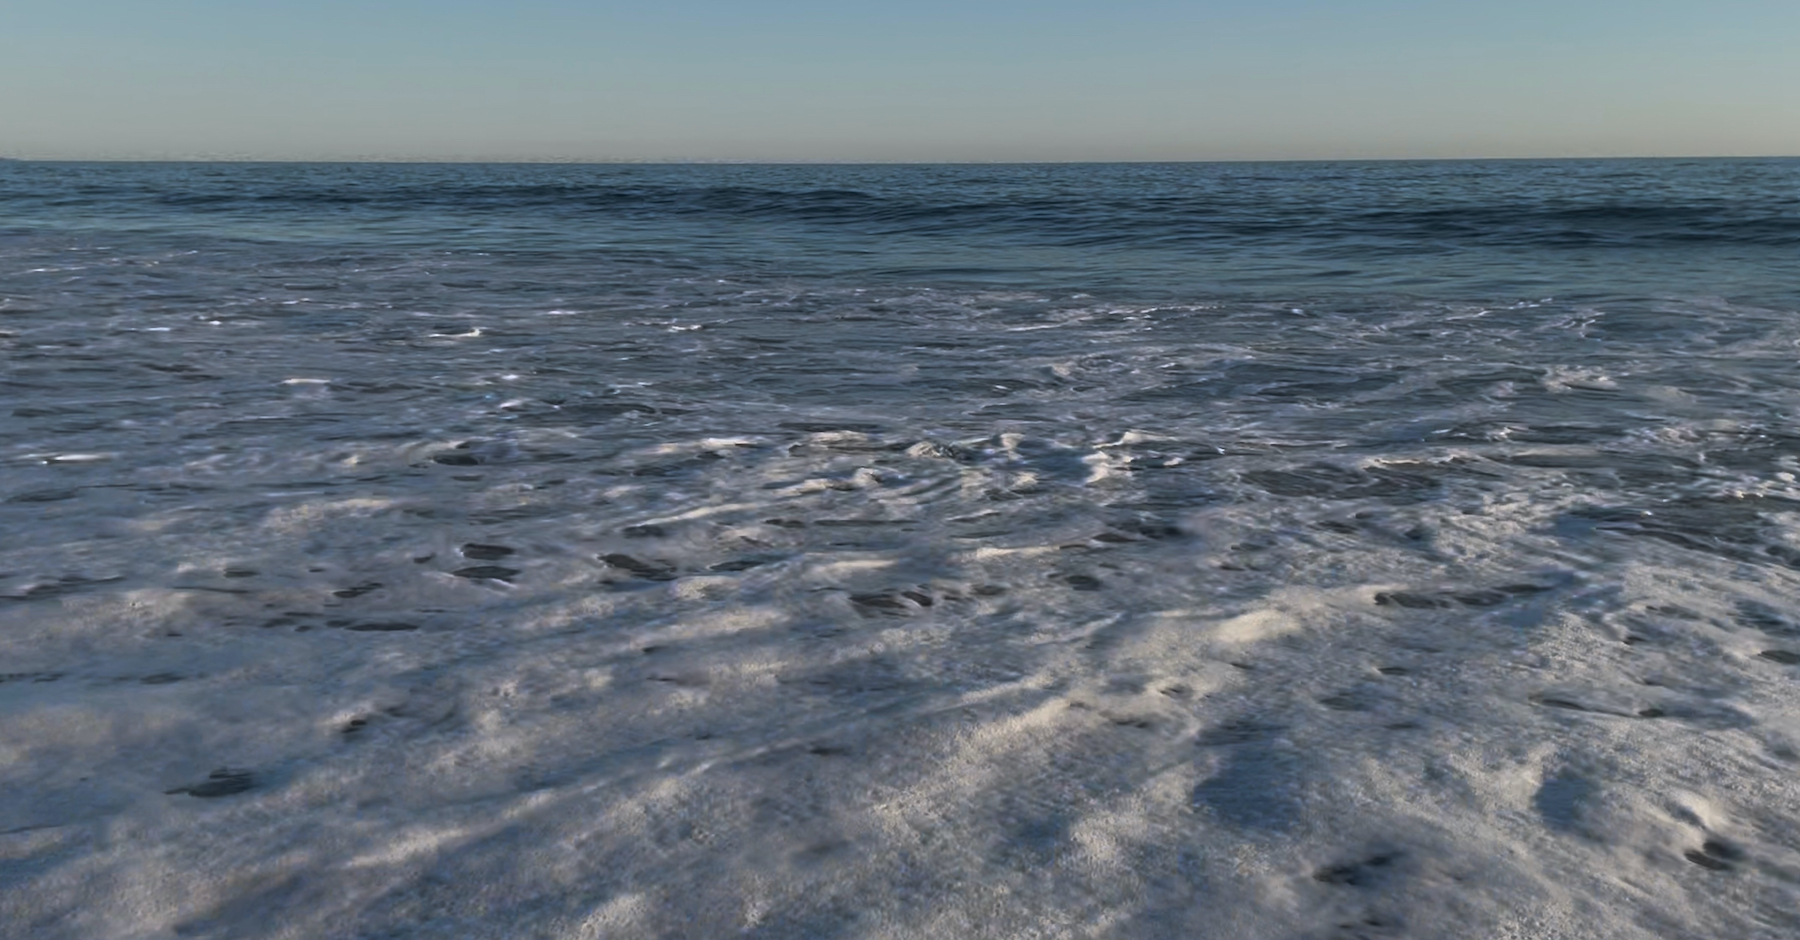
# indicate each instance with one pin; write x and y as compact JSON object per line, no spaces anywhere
{"x":1141,"y":550}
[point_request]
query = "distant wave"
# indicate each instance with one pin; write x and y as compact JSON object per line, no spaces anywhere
{"x":1493,"y":232}
{"x":1213,"y":215}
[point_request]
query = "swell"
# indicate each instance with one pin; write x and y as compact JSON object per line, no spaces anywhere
{"x":1078,"y":222}
{"x":1199,"y":213}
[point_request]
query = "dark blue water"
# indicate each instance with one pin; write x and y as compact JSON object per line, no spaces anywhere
{"x":1349,"y":304}
{"x":1476,"y":231}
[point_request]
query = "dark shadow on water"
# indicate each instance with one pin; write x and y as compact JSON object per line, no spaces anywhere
{"x":1256,"y":789}
{"x":1559,"y":800}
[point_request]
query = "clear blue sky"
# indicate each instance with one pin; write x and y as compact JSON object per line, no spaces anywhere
{"x":919,"y":80}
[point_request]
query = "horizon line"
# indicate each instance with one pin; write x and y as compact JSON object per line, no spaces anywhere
{"x":702,"y":161}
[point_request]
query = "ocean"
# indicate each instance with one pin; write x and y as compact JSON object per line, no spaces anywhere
{"x":1223,"y":550}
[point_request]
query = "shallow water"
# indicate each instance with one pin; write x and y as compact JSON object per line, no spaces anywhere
{"x":1223,"y":550}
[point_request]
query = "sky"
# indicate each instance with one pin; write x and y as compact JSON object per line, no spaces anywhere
{"x":923,"y":80}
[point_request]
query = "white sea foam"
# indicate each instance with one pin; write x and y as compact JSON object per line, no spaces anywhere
{"x":733,"y":712}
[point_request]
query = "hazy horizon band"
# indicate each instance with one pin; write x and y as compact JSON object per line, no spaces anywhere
{"x":1002,"y":81}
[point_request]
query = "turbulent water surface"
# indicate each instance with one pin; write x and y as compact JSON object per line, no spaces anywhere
{"x":1246,"y":550}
